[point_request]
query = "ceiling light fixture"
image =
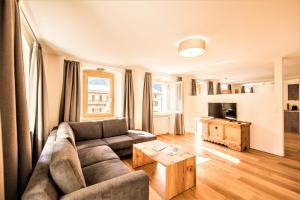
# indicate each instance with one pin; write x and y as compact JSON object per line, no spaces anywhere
{"x":191,"y":46}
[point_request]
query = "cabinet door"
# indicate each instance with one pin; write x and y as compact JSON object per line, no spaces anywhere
{"x":233,"y":134}
{"x":216,"y":131}
{"x":205,"y":128}
{"x":291,"y":122}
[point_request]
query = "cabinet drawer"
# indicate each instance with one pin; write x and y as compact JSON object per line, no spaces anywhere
{"x":216,"y":131}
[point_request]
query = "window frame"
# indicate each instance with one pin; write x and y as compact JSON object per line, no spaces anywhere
{"x":84,"y":105}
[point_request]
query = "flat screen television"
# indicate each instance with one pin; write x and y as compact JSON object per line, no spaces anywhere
{"x":222,"y":110}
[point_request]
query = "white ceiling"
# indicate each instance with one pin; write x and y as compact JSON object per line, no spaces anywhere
{"x":242,"y":36}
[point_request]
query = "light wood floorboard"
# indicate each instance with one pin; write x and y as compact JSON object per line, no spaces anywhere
{"x":226,"y":174}
{"x":292,"y":145}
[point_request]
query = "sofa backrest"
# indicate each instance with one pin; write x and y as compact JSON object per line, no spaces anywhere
{"x":87,"y":130}
{"x":65,"y":132}
{"x":114,"y":127}
{"x":41,"y":185}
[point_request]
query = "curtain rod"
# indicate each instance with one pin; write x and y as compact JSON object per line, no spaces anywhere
{"x":27,"y":22}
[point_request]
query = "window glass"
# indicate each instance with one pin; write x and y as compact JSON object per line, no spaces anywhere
{"x":97,"y":99}
{"x":160,"y":97}
{"x":98,"y":95}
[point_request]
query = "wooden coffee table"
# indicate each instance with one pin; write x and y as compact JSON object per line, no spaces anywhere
{"x":179,"y":170}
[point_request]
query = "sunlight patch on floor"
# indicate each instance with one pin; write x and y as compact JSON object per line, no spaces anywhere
{"x":221,"y":154}
{"x":200,"y":160}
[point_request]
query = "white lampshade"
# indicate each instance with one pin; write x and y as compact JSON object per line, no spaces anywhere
{"x":191,"y":47}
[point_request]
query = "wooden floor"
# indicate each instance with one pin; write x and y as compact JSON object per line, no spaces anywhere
{"x":227,"y":174}
{"x":292,"y":145}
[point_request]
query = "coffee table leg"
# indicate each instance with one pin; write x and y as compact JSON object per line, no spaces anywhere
{"x":180,"y":177}
{"x":139,"y":158}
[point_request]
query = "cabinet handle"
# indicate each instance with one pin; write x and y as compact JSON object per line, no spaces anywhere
{"x":216,"y":127}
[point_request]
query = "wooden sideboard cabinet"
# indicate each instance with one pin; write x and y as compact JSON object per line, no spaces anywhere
{"x":233,"y":134}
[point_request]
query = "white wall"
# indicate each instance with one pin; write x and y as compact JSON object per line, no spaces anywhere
{"x":258,"y":108}
{"x":54,"y":78}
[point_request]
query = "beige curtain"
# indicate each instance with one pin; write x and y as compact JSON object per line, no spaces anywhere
{"x":129,"y":99}
{"x":147,"y":117}
{"x":194,"y":87}
{"x":219,"y":88}
{"x":229,"y":89}
{"x":70,"y":98}
{"x":38,"y":104}
{"x":179,"y":121}
{"x":16,"y":142}
{"x":210,"y":87}
{"x":179,"y":124}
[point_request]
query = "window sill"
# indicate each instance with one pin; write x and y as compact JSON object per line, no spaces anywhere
{"x":161,"y":114}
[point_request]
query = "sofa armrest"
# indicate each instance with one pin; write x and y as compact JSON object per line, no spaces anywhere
{"x":134,"y":185}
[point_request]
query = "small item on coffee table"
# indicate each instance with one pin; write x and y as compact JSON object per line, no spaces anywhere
{"x":171,"y":150}
{"x":158,"y":146}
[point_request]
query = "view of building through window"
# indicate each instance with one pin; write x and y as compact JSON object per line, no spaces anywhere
{"x":98,"y":95}
{"x":157,"y":95}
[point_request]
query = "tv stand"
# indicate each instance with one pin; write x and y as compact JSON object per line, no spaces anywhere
{"x":233,"y":134}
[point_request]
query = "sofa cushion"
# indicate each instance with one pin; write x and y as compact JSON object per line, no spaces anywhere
{"x":65,"y":167}
{"x":90,"y":143}
{"x":119,"y":142}
{"x":65,"y":131}
{"x":90,"y":156}
{"x":103,"y":171}
{"x":140,"y":136}
{"x":124,"y":152}
{"x":114,"y":127}
{"x":87,"y":130}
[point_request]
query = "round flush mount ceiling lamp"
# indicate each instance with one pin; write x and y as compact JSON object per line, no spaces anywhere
{"x":191,"y":47}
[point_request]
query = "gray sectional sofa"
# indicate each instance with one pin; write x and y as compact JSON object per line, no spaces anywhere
{"x":80,"y":160}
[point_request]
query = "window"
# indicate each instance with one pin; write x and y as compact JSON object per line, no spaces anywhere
{"x":97,"y":94}
{"x":248,"y":89}
{"x":225,"y":88}
{"x":198,"y":89}
{"x":157,"y":96}
{"x":167,"y":97}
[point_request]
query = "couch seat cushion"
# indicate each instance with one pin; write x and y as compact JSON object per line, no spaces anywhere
{"x":140,"y":136}
{"x":65,"y":167}
{"x":89,"y":143}
{"x":119,"y":142}
{"x":103,"y":171}
{"x":92,"y":155}
{"x":114,"y":127}
{"x":87,"y":130}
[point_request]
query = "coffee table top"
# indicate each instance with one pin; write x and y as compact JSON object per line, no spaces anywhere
{"x":161,"y":156}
